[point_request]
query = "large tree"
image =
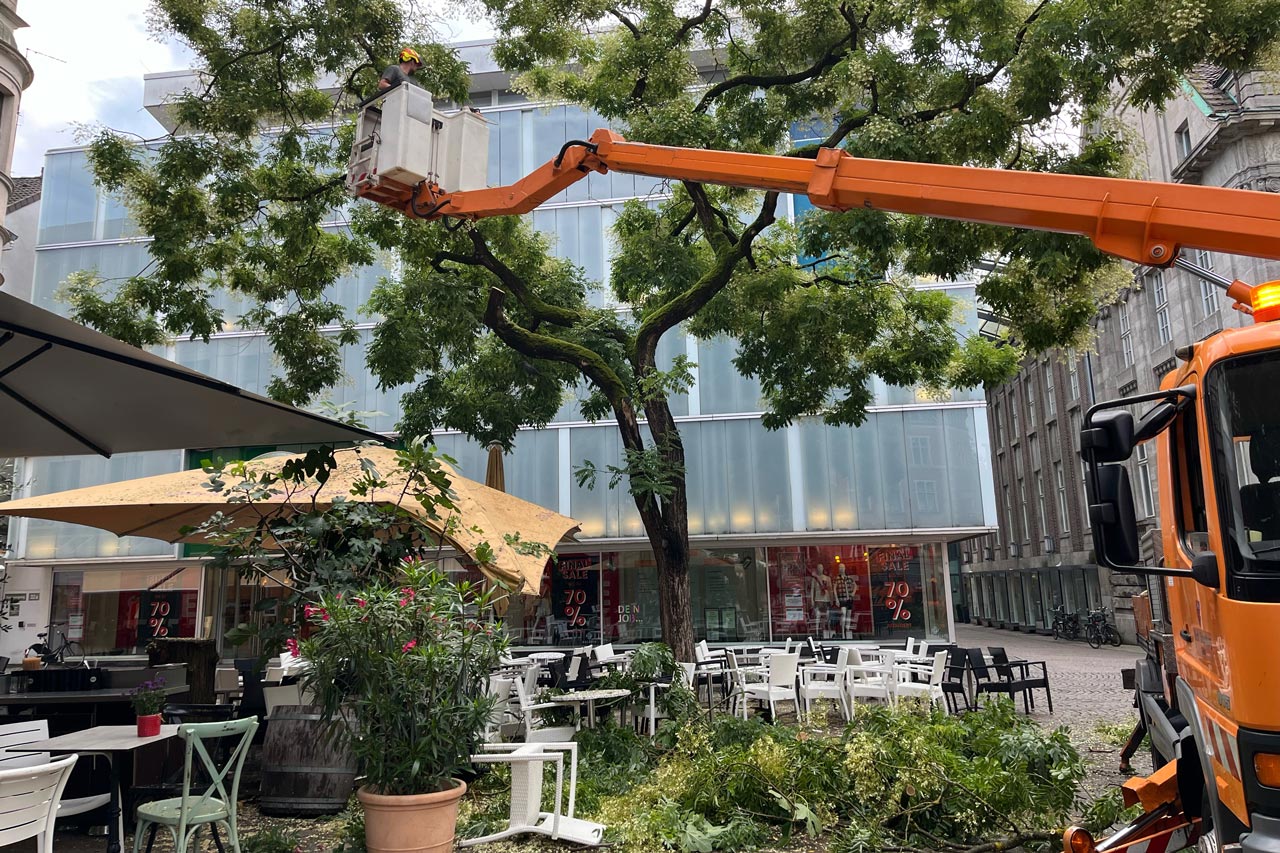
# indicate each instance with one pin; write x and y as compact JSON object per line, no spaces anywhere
{"x":494,"y":331}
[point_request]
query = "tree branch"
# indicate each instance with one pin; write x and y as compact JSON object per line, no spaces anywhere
{"x":832,"y":55}
{"x":536,"y":306}
{"x":696,"y":21}
{"x":546,"y":347}
{"x":626,"y":22}
{"x":709,"y":218}
{"x":688,"y":302}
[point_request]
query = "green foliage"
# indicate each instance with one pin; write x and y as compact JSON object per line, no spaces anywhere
{"x":400,"y":672}
{"x":271,"y":840}
{"x":896,"y":777}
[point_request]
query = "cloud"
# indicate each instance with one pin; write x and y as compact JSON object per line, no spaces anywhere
{"x":89,"y":57}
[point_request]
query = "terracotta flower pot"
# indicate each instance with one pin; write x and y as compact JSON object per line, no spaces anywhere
{"x":413,"y":823}
{"x":148,"y":725}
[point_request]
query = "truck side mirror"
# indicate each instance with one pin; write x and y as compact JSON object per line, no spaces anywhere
{"x":1204,"y":568}
{"x":1109,"y":435}
{"x":1112,"y":515}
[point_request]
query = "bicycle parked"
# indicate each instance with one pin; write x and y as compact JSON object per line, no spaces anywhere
{"x":1099,"y":630}
{"x":65,"y":653}
{"x":1065,"y":625}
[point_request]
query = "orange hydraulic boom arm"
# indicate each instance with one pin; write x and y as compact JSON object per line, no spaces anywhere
{"x":1146,"y":222}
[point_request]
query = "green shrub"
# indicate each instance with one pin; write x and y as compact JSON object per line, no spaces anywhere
{"x":910,"y":776}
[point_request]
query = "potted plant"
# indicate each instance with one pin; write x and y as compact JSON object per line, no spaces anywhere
{"x":400,"y":670}
{"x":148,"y":699}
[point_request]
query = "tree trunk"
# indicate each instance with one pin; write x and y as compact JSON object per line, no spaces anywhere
{"x":666,"y":523}
{"x":674,"y":603}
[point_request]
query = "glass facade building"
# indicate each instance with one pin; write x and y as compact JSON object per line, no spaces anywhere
{"x":812,"y":529}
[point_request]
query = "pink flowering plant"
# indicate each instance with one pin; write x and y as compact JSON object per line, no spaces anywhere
{"x":400,"y":669}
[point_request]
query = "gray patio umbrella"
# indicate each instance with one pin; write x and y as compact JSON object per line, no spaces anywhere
{"x":66,"y":390}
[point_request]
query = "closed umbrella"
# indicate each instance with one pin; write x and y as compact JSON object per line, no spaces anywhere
{"x":495,"y":476}
{"x":66,"y":390}
{"x":159,"y":507}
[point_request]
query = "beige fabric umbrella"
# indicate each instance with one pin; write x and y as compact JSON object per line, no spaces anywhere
{"x":495,"y":475}
{"x":159,"y":507}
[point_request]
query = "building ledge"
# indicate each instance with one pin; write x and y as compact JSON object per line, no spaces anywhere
{"x":1227,"y":131}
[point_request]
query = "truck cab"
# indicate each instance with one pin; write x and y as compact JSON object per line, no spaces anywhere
{"x":1209,"y":688}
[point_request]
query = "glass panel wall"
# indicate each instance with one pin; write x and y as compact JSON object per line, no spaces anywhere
{"x":110,"y":611}
{"x":53,"y":540}
{"x":741,"y":595}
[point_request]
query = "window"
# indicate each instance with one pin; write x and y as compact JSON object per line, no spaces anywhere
{"x":1160,"y":295}
{"x":1073,"y":374}
{"x":1209,"y":296}
{"x":1050,"y":392}
{"x":1008,"y":515}
{"x":1182,"y":141}
{"x":1126,"y":335}
{"x":1031,"y":399}
{"x":1035,"y":453}
{"x":1044,"y":527}
{"x":1073,"y":434}
{"x":1055,"y":449}
{"x":100,"y":608}
{"x":1014,"y":428}
{"x":1026,"y":516}
{"x":1146,"y":493}
{"x":926,"y":495}
{"x":1060,"y":481}
{"x":999,"y":421}
{"x":921,"y":450}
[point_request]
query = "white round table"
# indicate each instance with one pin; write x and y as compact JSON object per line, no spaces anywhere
{"x":589,"y":698}
{"x":547,"y":657}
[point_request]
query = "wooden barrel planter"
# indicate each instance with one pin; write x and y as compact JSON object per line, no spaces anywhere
{"x":303,"y":774}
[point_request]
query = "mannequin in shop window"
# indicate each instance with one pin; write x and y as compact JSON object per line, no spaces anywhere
{"x":846,"y":591}
{"x":820,"y":593}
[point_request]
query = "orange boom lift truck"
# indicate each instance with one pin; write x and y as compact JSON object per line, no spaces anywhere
{"x":1209,"y":689}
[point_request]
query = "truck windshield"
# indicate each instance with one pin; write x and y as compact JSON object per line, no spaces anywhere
{"x":1243,"y":407}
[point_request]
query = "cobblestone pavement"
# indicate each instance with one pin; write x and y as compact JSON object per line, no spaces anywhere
{"x":1086,"y":682}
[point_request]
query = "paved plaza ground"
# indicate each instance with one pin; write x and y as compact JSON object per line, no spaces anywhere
{"x":1086,"y":682}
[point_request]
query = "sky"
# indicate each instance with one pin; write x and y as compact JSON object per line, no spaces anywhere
{"x":89,"y":57}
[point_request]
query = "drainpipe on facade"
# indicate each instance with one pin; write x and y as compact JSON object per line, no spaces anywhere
{"x":1088,"y":373}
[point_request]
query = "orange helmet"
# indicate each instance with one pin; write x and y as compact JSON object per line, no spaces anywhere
{"x":410,"y":55}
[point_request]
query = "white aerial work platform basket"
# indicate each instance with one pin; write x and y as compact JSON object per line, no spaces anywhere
{"x":402,"y":140}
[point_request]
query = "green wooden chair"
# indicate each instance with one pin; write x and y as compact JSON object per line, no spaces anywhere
{"x":184,"y":816}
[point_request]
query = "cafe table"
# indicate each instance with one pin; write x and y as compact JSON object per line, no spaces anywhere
{"x":115,"y":743}
{"x":589,"y":698}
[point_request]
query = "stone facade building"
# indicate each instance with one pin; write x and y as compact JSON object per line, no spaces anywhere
{"x":1222,"y":131}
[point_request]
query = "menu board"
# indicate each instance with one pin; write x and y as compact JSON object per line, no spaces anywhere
{"x":575,"y":592}
{"x":159,"y":615}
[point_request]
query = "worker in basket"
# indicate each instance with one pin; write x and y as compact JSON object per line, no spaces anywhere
{"x":409,"y":62}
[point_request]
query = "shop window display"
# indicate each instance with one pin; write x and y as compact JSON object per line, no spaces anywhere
{"x":857,"y":591}
{"x":120,"y":611}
